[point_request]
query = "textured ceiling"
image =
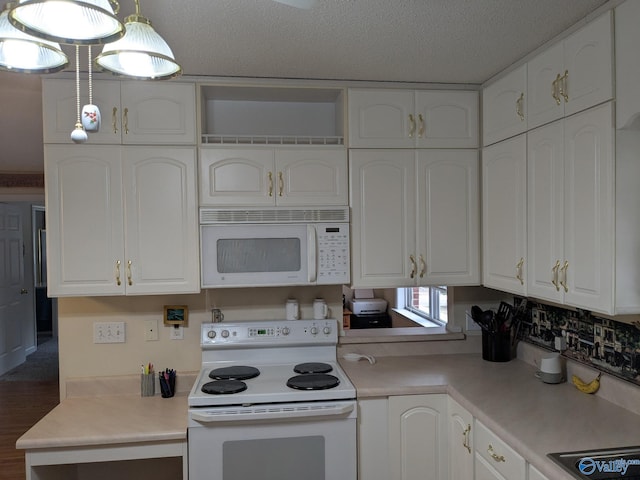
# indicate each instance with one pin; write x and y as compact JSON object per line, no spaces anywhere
{"x":441,"y":41}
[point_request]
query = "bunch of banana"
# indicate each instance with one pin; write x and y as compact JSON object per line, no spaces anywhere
{"x":586,"y":387}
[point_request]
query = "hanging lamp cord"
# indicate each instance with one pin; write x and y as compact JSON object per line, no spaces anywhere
{"x":78,"y":83}
{"x":90,"y":78}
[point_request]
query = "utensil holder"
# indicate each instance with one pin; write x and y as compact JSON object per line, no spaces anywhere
{"x":147,"y":384}
{"x":167,"y":385}
{"x":496,"y":346}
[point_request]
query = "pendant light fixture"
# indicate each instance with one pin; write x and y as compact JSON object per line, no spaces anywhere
{"x":23,"y":53}
{"x":74,"y":22}
{"x":141,"y":53}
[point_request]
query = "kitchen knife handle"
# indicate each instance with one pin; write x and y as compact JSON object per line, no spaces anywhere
{"x":554,"y":280}
{"x":412,"y":125}
{"x":465,"y":437}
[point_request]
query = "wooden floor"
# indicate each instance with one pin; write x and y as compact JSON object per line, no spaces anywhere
{"x":22,"y":404}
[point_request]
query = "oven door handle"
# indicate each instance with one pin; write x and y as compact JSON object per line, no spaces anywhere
{"x":271,"y":413}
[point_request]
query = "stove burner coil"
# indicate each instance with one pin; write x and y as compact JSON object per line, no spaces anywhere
{"x":312,"y":367}
{"x":313,"y":381}
{"x":235,"y":372}
{"x":224,"y":387}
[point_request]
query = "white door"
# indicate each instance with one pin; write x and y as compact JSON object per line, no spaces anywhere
{"x":418,"y":437}
{"x":448,"y":212}
{"x":311,"y":177}
{"x":382,"y":118}
{"x":545,"y":212}
{"x":504,"y":212}
{"x":504,"y":107}
{"x":383,"y":221}
{"x":85,"y":226}
{"x":237,"y":177}
{"x":161,"y":249}
{"x":589,"y":209}
{"x":13,"y":311}
{"x":545,"y":101}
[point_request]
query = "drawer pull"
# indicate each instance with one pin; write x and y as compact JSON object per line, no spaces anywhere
{"x":494,"y":455}
{"x":465,"y":436}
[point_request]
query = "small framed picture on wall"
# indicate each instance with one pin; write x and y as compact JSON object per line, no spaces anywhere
{"x":176,"y":315}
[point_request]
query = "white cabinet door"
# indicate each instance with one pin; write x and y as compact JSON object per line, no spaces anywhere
{"x":161,"y":220}
{"x":448,"y":245}
{"x":85,"y":228}
{"x":460,"y":442}
{"x":447,"y":119}
{"x":627,"y":45}
{"x":545,"y":101}
{"x":132,"y":112}
{"x":588,"y":59}
{"x":590,"y":209}
{"x":373,"y":439}
{"x":311,"y":177}
{"x":383,"y":228}
{"x":418,"y":437}
{"x":381,"y":118}
{"x":545,"y":212}
{"x":504,"y":107}
{"x":237,"y":177}
{"x":504,"y":228}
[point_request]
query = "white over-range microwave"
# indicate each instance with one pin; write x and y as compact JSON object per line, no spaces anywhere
{"x":274,"y":247}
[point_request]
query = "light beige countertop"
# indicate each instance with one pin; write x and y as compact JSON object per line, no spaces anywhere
{"x":532,"y":417}
{"x":107,"y":420}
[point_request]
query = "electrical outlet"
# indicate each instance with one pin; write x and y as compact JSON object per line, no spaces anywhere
{"x":108,"y":332}
{"x":151,"y":330}
{"x":177,"y":332}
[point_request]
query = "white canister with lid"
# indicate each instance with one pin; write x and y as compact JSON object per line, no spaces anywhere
{"x":320,"y":309}
{"x":292,"y":309}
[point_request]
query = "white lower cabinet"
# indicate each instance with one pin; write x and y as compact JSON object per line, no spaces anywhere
{"x":461,"y":430}
{"x":494,"y":459}
{"x":418,"y":437}
{"x":373,"y":439}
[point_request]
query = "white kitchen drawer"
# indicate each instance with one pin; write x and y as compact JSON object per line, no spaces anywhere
{"x":498,"y":454}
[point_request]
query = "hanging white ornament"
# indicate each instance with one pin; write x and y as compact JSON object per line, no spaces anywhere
{"x":91,"y":113}
{"x":78,"y":135}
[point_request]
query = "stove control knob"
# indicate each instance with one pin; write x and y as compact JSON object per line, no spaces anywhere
{"x":225,"y":333}
{"x":285,"y":331}
{"x":314,"y":330}
{"x":211,"y":334}
{"x":326,"y":330}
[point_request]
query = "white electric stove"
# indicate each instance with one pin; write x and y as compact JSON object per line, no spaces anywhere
{"x":271,"y":397}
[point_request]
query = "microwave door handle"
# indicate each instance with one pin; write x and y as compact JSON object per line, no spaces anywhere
{"x":312,"y":246}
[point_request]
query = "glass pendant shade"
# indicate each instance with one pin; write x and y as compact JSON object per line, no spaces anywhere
{"x":75,"y":22}
{"x":23,"y":53}
{"x":141,"y":53}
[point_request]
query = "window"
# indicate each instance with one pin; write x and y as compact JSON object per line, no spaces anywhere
{"x":429,"y":303}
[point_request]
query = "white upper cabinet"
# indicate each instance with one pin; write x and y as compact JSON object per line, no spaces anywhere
{"x":504,"y":215}
{"x":572,"y":75}
{"x":413,"y":119}
{"x":627,"y":46}
{"x":415,"y":217}
{"x":269,"y":177}
{"x":121,"y":220}
{"x":504,"y":107}
{"x":145,"y":113}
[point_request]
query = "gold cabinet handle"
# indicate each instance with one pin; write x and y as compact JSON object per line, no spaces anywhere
{"x":494,"y":455}
{"x":563,"y":86}
{"x":413,"y":266}
{"x":421,"y":126}
{"x":555,"y":89}
{"x":423,"y":266}
{"x":23,"y":291}
{"x":114,"y":120}
{"x":270,"y":178}
{"x":118,"y":281}
{"x":280,"y":184}
{"x":129,"y":280}
{"x":519,"y":106}
{"x":519,"y":266}
{"x":563,"y":282}
{"x":412,"y":125}
{"x":465,"y":437}
{"x":125,"y":121}
{"x":554,"y":279}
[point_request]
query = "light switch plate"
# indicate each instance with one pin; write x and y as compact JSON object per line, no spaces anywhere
{"x":108,"y":332}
